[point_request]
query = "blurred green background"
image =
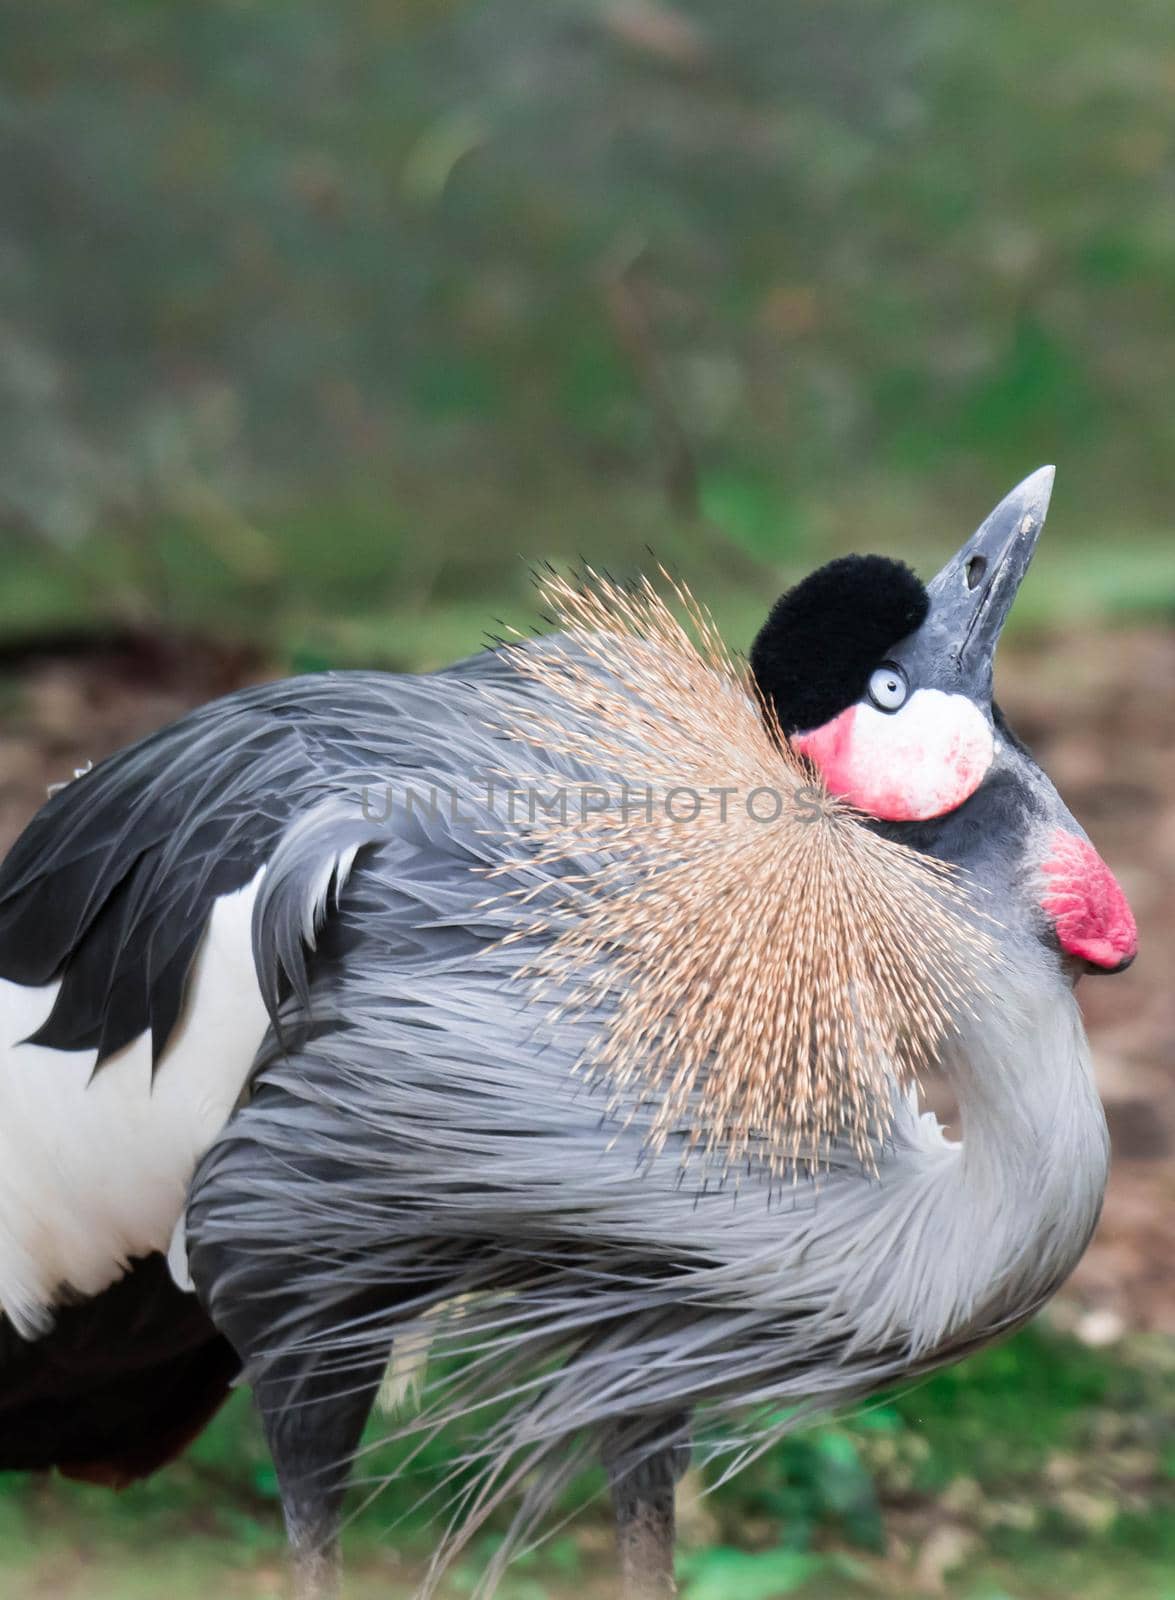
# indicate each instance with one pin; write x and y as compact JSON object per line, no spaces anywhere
{"x":327,"y":318}
{"x":320,"y":322}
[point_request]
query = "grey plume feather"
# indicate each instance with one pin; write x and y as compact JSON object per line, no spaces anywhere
{"x":310,"y":865}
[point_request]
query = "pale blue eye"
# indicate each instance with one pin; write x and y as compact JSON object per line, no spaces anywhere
{"x":888,"y":688}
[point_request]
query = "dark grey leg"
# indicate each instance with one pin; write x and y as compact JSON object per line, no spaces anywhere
{"x":269,"y":1256}
{"x":643,"y":1471}
{"x":313,"y":1423}
{"x":314,"y":1388}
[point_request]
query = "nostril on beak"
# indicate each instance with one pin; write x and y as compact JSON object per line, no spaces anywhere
{"x":975,"y":570}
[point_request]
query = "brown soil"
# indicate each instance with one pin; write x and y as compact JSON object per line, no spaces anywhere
{"x":1099,"y":713}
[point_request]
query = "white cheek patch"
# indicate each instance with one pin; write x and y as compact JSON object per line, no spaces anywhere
{"x":907,"y":765}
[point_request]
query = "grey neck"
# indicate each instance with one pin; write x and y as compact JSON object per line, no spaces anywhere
{"x":1010,"y":1211}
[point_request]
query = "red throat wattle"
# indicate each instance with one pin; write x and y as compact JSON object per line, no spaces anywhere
{"x":1092,"y":917}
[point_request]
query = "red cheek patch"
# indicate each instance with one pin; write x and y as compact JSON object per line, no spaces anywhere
{"x":1085,"y":901}
{"x":921,"y":761}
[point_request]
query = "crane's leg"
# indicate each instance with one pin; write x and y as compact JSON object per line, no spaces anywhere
{"x":290,"y":1304}
{"x":643,"y":1473}
{"x":313,"y":1420}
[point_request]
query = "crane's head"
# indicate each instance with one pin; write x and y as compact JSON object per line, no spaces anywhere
{"x":885,"y":685}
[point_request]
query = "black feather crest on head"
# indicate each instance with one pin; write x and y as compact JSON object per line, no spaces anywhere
{"x":813,"y":656}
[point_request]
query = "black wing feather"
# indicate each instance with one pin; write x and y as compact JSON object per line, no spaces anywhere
{"x":110,"y":886}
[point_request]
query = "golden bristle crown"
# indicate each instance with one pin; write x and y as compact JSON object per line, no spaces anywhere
{"x":766,"y":971}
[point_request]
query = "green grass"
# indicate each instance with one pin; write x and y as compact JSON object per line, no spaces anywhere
{"x":1050,"y":1461}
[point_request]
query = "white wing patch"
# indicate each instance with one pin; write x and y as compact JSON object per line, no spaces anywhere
{"x":95,"y":1171}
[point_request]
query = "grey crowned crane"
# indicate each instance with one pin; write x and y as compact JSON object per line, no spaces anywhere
{"x":322,"y":1038}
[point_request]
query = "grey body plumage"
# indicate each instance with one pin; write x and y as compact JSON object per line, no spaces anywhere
{"x":430,"y":1140}
{"x":415,"y":1156}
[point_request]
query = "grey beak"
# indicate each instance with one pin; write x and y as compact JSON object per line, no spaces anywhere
{"x":972,"y":595}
